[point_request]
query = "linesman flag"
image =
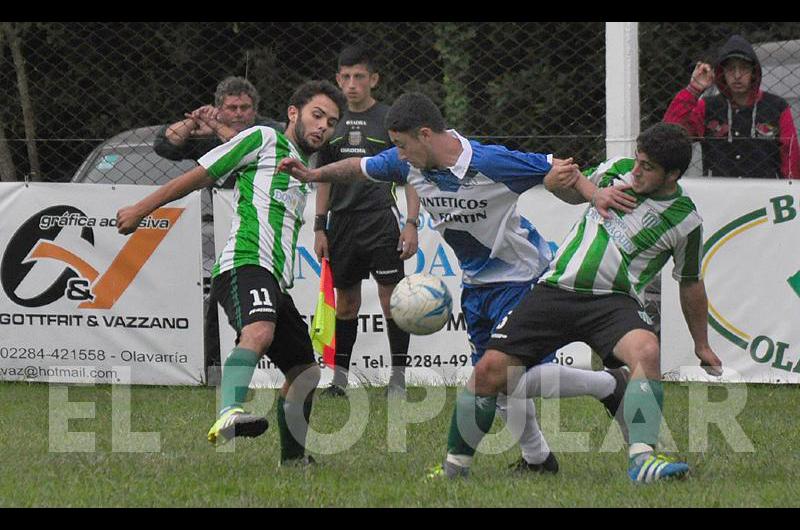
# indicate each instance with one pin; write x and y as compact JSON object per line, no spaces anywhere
{"x":323,"y":326}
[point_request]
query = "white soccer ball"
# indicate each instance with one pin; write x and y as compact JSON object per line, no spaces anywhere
{"x":421,"y":304}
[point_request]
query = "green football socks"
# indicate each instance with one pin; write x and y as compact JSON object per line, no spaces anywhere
{"x":236,"y":375}
{"x":472,"y":419}
{"x":643,"y":403}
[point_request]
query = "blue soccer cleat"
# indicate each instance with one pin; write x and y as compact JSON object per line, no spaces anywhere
{"x":649,"y":467}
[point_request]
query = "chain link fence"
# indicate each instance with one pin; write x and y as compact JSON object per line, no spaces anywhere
{"x":66,"y":87}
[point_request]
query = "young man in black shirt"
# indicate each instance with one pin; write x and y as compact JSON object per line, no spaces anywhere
{"x":357,"y":225}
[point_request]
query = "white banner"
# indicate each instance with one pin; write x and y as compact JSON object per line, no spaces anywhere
{"x":751,"y":259}
{"x":82,"y":304}
{"x":437,"y":359}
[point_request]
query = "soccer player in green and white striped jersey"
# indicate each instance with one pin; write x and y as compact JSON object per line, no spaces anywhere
{"x":255,"y":269}
{"x":592,"y":293}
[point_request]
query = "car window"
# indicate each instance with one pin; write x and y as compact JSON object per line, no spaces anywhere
{"x":131,"y":165}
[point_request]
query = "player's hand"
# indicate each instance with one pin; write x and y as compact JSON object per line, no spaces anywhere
{"x":297,"y":169}
{"x":321,"y":245}
{"x":702,"y":77}
{"x":613,"y":197}
{"x":409,"y":241}
{"x":709,"y":361}
{"x":563,"y":174}
{"x":128,"y":220}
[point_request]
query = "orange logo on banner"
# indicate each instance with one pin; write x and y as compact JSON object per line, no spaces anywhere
{"x":126,"y":265}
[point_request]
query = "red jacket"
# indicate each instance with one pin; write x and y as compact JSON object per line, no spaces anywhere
{"x":757,"y":140}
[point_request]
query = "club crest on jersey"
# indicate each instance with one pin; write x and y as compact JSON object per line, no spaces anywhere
{"x":651,"y":219}
{"x":354,"y":137}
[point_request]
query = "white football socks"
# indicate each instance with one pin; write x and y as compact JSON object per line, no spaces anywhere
{"x":531,"y":440}
{"x":551,"y":380}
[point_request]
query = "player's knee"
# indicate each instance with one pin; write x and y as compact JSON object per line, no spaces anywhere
{"x":489,"y":375}
{"x":257,"y":336}
{"x":647,"y":355}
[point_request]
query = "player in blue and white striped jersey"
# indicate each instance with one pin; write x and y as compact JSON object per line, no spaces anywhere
{"x":471,"y":191}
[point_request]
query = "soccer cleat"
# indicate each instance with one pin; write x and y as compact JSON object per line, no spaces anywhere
{"x":613,"y":403}
{"x":333,"y":391}
{"x":236,"y":422}
{"x":550,"y":465}
{"x":649,"y":467}
{"x":447,"y":469}
{"x":303,"y":461}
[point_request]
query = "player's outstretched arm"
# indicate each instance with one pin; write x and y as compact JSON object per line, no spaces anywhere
{"x":561,"y":181}
{"x":128,"y":217}
{"x":694,"y":304}
{"x":604,"y":199}
{"x":342,"y":172}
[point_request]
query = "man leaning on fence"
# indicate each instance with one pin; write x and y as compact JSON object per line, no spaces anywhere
{"x":235,"y":109}
{"x":745,"y":131}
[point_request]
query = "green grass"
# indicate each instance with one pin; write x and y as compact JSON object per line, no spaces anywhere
{"x":188,"y":471}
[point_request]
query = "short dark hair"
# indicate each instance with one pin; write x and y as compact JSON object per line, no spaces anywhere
{"x":668,"y":145}
{"x":357,"y":53}
{"x":235,"y":86}
{"x":309,"y":89}
{"x":412,"y":111}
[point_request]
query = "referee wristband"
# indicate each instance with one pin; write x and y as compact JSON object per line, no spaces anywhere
{"x":320,"y":222}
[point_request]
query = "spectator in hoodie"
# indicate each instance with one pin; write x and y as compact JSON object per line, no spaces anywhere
{"x":744,"y":131}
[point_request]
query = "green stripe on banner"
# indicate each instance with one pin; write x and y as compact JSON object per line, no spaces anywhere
{"x":735,"y":339}
{"x":733,"y":225}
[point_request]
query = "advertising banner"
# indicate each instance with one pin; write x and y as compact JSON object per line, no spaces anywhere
{"x":751,"y":268}
{"x":81,"y":303}
{"x":442,"y":358}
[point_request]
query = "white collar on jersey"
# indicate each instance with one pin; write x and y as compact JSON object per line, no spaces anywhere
{"x":462,"y":164}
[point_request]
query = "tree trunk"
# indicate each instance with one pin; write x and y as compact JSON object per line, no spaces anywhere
{"x":24,"y":98}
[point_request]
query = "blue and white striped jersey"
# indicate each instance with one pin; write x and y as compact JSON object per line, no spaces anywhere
{"x":474,"y":206}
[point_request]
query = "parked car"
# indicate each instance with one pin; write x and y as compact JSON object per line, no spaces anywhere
{"x":128,"y":158}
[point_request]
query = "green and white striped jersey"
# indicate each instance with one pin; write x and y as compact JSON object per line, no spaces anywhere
{"x":624,"y":253}
{"x":269,"y":205}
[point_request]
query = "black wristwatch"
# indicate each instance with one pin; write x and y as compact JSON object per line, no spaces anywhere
{"x":320,"y":222}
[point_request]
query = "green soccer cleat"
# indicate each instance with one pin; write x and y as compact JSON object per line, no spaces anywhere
{"x":447,"y":469}
{"x":649,"y":467}
{"x":236,"y":422}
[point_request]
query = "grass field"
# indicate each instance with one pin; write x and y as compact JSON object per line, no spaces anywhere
{"x":187,"y":471}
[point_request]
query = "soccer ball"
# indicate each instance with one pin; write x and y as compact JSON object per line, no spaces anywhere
{"x":421,"y":304}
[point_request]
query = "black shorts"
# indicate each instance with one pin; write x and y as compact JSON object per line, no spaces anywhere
{"x":548,"y":318}
{"x":250,"y":294}
{"x":365,"y":242}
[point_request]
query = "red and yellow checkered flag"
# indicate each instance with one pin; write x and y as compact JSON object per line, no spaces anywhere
{"x":323,"y":325}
